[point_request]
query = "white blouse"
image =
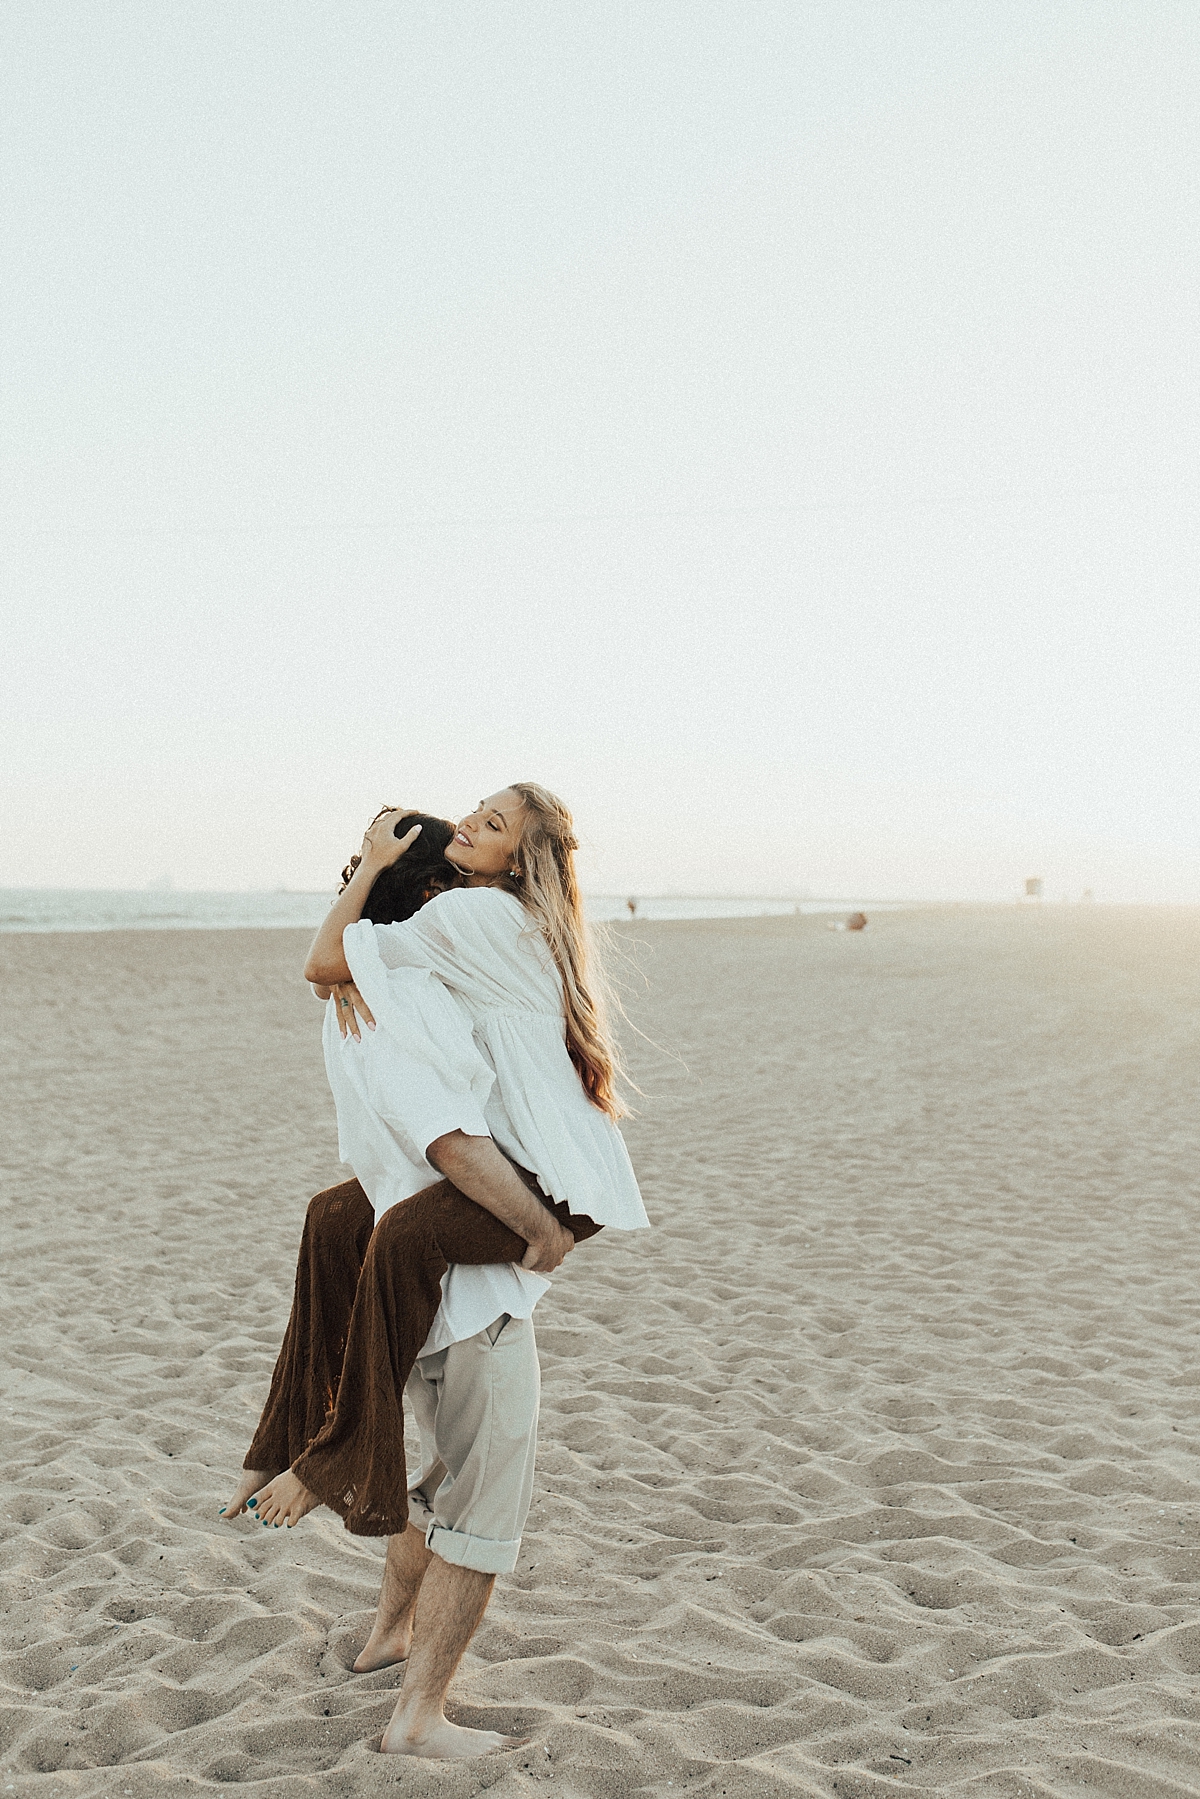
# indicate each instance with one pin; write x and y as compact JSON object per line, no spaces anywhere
{"x":470,"y":1036}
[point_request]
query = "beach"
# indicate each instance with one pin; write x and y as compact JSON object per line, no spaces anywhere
{"x":872,"y":1468}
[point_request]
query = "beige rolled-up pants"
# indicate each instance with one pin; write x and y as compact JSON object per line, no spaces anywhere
{"x":476,"y":1407}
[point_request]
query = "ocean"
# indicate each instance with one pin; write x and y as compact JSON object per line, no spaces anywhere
{"x":156,"y":909}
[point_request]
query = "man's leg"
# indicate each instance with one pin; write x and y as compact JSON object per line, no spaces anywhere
{"x":408,"y":1558}
{"x":449,"y":1611}
{"x":405,"y":1568}
{"x":472,"y":1499}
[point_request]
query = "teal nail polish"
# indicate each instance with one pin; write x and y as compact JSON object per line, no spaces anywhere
{"x":221,"y":1513}
{"x":252,"y":1502}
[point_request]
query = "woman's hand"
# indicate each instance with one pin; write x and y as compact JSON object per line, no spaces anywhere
{"x":381,"y":847}
{"x":351,"y":1006}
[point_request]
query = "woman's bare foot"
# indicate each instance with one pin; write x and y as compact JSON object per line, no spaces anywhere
{"x":440,"y":1740}
{"x":283,"y":1500}
{"x":385,"y":1646}
{"x":252,"y":1479}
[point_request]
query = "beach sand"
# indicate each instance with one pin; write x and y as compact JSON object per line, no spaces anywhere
{"x":872,"y":1469}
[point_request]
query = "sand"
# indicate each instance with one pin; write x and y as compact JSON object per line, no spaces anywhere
{"x":872,"y":1469}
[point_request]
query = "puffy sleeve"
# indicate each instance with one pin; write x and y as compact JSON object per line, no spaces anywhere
{"x":425,"y":940}
{"x":478,"y":941}
{"x":428,"y":1077}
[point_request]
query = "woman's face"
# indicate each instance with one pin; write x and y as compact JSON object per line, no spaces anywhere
{"x":485,"y":844}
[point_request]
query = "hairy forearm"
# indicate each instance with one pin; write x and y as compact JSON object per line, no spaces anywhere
{"x":478,"y":1169}
{"x":326,"y":962}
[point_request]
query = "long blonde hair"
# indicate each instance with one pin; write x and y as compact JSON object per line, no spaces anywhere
{"x":546,"y":885}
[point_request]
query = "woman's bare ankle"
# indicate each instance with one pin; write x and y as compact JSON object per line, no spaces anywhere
{"x":252,"y":1479}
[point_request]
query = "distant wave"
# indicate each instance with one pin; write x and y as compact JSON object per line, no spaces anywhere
{"x":49,"y":909}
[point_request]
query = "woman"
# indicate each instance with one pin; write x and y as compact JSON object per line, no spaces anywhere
{"x":483,"y":1030}
{"x":339,"y":1221}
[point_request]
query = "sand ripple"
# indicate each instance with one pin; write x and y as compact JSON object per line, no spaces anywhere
{"x":873,"y":1469}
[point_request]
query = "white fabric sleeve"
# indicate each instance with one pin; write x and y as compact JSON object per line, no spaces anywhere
{"x":428,"y":1077}
{"x":411,"y":944}
{"x":470,"y":938}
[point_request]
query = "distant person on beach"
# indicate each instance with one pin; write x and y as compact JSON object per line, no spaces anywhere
{"x":857,"y":921}
{"x":631,"y":907}
{"x":484,"y":1060}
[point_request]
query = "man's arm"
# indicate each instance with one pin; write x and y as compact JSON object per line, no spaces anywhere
{"x":478,"y":1169}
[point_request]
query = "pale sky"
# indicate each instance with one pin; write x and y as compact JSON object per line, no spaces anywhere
{"x":773,"y":426}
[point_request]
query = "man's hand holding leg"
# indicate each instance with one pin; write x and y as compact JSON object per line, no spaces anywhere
{"x":478,"y":1169}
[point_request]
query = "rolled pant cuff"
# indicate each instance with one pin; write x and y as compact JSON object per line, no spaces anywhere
{"x":484,"y":1554}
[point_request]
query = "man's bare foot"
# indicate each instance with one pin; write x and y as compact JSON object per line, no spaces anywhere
{"x":284,"y":1500}
{"x":252,"y":1479}
{"x":384,"y":1647}
{"x":449,"y":1604}
{"x":439,"y":1740}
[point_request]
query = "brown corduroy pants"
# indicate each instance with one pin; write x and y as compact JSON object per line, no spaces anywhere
{"x":365,"y":1299}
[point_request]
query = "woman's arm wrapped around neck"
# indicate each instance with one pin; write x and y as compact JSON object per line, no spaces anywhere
{"x":327,"y":964}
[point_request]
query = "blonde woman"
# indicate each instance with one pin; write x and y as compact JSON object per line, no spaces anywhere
{"x":486,"y":1054}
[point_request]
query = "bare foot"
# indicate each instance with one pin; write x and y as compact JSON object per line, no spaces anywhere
{"x":284,"y":1500}
{"x":252,"y":1479}
{"x":384,"y":1647}
{"x":442,"y":1741}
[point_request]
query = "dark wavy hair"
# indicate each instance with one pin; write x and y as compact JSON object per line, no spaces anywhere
{"x":421,"y":872}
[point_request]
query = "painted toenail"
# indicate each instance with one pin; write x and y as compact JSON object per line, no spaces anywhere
{"x":252,"y":1502}
{"x":221,"y":1513}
